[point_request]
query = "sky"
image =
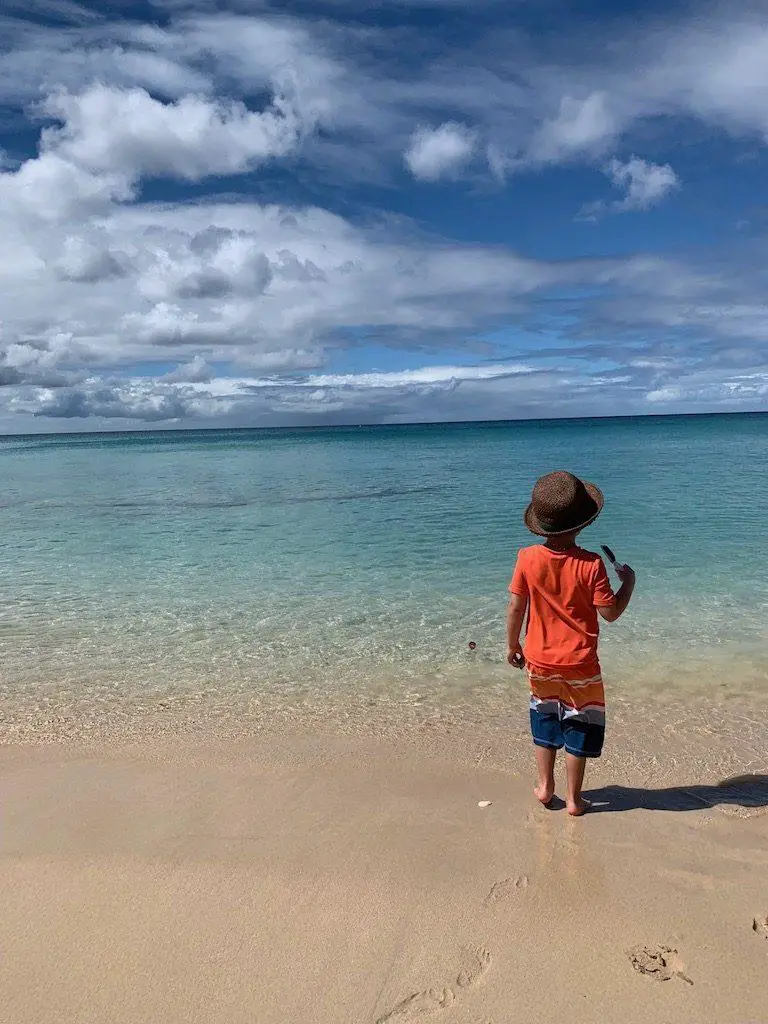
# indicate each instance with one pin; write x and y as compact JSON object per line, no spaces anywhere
{"x":244,"y":213}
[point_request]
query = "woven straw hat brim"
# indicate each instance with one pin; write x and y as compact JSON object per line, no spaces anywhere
{"x":532,"y":522}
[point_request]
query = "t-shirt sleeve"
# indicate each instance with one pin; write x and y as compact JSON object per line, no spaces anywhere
{"x":519,"y":584}
{"x":602,"y":592}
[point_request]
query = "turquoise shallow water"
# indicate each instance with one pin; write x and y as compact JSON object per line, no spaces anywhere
{"x":312,"y":562}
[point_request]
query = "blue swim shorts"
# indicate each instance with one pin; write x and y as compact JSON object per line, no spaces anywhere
{"x":551,"y":729}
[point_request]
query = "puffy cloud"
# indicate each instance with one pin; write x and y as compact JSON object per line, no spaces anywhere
{"x":435,"y":153}
{"x":53,"y":188}
{"x":713,"y":69}
{"x":39,"y":362}
{"x":369,"y":94}
{"x":583,"y":126}
{"x":105,"y":130}
{"x":237,"y":280}
{"x":251,"y":294}
{"x":111,"y":403}
{"x":195,"y":372}
{"x":273,"y":291}
{"x":110,"y":139}
{"x":209,"y":265}
{"x":85,"y":260}
{"x":645,"y":185}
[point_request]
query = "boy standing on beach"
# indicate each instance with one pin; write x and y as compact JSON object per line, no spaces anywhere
{"x":563,"y":588}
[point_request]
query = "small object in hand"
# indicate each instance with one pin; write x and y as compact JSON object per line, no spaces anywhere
{"x":472,"y":645}
{"x":610,"y":555}
{"x":516,"y":658}
{"x":484,"y":803}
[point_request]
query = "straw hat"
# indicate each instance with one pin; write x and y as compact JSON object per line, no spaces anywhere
{"x":561,"y":503}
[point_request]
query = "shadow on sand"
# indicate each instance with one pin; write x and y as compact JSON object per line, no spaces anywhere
{"x":744,"y":791}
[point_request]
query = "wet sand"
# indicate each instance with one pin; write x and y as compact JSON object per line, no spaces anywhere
{"x":322,"y":876}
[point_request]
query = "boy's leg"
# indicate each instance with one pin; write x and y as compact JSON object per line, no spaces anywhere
{"x":547,"y":733}
{"x":574,"y":773}
{"x":582,"y":739}
{"x":545,"y":764}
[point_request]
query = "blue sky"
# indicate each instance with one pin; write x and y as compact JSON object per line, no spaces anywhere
{"x":250,"y":213}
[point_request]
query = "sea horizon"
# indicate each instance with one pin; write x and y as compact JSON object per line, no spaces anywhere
{"x":354,"y":425}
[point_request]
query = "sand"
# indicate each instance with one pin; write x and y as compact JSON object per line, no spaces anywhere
{"x":320,"y":877}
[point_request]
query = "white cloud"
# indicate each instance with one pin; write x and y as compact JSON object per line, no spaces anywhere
{"x":432,"y":392}
{"x":132,"y":402}
{"x":706,"y":389}
{"x":436,"y":153}
{"x":645,"y":185}
{"x":109,"y":140}
{"x":36,"y":61}
{"x":714,"y":69}
{"x":273,"y":290}
{"x":195,"y":372}
{"x":583,"y":126}
{"x":106,"y":130}
{"x":660,"y":395}
{"x":426,"y":375}
{"x":251,"y":294}
{"x":192,"y":393}
{"x":89,"y":260}
{"x":238,"y":282}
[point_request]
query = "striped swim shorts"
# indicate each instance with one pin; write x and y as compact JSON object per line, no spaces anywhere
{"x":568,"y":708}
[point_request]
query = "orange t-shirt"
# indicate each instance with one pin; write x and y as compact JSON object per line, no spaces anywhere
{"x":564,"y":590}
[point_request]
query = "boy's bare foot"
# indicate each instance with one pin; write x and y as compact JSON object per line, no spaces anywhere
{"x":578,"y":807}
{"x":544,"y":794}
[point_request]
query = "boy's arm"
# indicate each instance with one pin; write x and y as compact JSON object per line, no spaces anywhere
{"x":613,"y":611}
{"x":515,"y":616}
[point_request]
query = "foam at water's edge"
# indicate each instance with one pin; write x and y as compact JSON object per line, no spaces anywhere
{"x":667,"y":737}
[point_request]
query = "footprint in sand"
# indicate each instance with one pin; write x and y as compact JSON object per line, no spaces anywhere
{"x":505,"y":888}
{"x":760,"y":926}
{"x":659,"y":962}
{"x":420,"y":1004}
{"x":476,"y":963}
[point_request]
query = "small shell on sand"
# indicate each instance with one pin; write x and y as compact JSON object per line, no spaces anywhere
{"x":484,"y":803}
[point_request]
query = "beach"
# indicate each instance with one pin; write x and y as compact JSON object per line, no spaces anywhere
{"x":319,"y":875}
{"x":252,"y":769}
{"x":383,"y":442}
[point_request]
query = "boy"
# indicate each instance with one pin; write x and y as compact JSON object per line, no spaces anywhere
{"x":563,"y":588}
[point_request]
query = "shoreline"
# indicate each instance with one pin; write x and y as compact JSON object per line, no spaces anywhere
{"x":312,"y":875}
{"x":662,"y":738}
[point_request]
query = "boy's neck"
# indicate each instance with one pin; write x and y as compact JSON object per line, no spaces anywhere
{"x":561,"y":543}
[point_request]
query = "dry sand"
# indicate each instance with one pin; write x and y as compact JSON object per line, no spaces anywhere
{"x":329,"y":879}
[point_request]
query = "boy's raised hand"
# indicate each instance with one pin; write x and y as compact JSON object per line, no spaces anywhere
{"x":626,"y":574}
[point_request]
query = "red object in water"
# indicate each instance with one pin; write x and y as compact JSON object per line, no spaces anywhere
{"x":472,"y":645}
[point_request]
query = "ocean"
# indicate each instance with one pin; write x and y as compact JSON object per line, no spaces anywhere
{"x":326,"y":565}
